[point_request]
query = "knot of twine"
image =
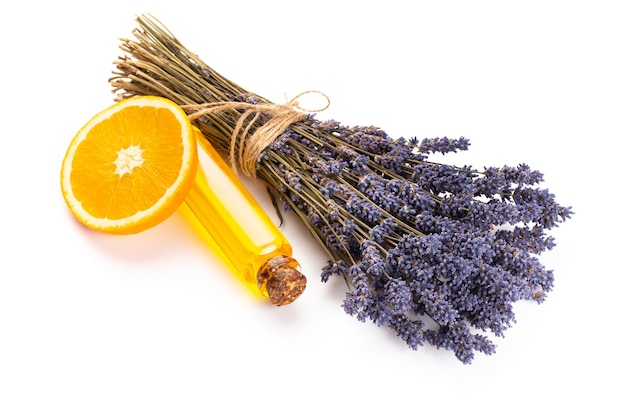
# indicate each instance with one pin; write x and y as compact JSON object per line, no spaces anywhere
{"x":251,"y":146}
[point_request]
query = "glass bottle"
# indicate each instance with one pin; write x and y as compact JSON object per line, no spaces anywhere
{"x":226,"y":215}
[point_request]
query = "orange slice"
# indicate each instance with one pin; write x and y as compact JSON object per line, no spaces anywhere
{"x":130,"y":166}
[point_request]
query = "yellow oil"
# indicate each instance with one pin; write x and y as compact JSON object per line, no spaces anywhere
{"x":224,"y":213}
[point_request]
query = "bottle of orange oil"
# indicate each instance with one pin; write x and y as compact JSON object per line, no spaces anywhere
{"x":236,"y":227}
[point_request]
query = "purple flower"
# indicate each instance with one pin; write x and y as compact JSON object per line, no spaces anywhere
{"x":443,"y":145}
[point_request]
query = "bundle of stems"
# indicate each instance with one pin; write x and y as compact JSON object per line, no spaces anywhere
{"x":436,"y":252}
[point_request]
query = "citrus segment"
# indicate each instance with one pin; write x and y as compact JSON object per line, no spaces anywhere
{"x":130,"y":166}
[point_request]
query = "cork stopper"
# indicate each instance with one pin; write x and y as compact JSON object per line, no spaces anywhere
{"x":281,"y":280}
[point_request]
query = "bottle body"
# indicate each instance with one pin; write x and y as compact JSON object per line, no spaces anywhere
{"x":236,"y":227}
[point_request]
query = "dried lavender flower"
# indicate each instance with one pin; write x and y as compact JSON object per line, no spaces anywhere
{"x":436,"y":252}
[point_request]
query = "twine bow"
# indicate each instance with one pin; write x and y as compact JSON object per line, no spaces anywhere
{"x":252,"y":145}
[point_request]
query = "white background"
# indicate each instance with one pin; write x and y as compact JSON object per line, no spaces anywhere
{"x":153,"y":325}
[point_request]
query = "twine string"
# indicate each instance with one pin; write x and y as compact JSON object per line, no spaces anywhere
{"x":251,"y":146}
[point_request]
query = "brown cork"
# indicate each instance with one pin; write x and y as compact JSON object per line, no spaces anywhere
{"x":281,"y":280}
{"x":285,"y":285}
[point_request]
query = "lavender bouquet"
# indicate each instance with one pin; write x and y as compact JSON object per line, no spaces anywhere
{"x":436,"y":252}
